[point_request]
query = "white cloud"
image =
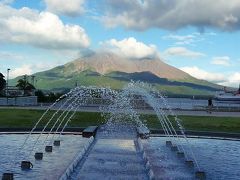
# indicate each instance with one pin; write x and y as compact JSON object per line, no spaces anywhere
{"x":19,"y":71}
{"x":189,"y":39}
{"x":228,"y":79}
{"x":182,"y":51}
{"x":233,"y":80}
{"x":29,"y":69}
{"x":223,"y":61}
{"x":202,"y":74}
{"x":173,"y":15}
{"x":4,"y":55}
{"x":131,"y":48}
{"x":6,"y":1}
{"x":44,"y":29}
{"x":69,"y":8}
{"x":43,"y":66}
{"x":181,"y":39}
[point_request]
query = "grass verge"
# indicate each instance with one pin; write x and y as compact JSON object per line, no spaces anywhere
{"x":23,"y":118}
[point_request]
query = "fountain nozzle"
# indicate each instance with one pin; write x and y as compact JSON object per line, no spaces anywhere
{"x":56,"y":143}
{"x":48,"y":148}
{"x":26,"y":165}
{"x":7,"y":176}
{"x":200,"y":175}
{"x":38,"y":155}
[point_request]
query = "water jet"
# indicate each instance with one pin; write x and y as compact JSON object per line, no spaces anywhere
{"x":117,"y":137}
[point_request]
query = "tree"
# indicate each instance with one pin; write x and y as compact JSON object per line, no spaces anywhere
{"x":23,"y":84}
{"x":2,"y":83}
{"x":51,"y":97}
{"x":40,"y":95}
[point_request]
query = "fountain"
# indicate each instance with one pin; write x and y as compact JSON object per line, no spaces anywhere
{"x":119,"y":147}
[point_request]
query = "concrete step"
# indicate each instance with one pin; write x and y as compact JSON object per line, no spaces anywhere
{"x":116,"y":157}
{"x":113,"y":159}
{"x":113,"y":167}
{"x":106,"y":176}
{"x":112,"y":152}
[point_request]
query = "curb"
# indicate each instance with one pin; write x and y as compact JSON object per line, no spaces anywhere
{"x":146,"y":161}
{"x":76,"y":160}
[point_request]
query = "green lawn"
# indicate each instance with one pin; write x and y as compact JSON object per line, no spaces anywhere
{"x":201,"y":123}
{"x":22,"y":118}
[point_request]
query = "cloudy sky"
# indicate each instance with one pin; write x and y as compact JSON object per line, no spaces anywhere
{"x":201,"y":37}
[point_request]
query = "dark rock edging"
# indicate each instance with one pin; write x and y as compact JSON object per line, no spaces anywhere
{"x":201,"y":134}
{"x":154,"y":132}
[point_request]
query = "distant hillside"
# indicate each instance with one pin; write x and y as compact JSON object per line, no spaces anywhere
{"x":108,"y":69}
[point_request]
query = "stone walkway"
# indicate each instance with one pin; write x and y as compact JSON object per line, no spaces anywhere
{"x":113,"y":159}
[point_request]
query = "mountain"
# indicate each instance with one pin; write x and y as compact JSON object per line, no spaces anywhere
{"x":107,"y":62}
{"x":108,"y":69}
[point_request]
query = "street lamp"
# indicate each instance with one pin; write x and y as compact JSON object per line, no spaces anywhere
{"x":7,"y":83}
{"x":7,"y":78}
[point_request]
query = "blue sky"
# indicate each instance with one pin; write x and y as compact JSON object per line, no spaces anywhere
{"x":198,"y":37}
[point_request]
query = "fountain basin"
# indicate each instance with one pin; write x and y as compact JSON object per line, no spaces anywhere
{"x":219,"y":159}
{"x":47,"y":168}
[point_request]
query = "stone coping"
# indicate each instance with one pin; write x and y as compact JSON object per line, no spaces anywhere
{"x":154,"y":133}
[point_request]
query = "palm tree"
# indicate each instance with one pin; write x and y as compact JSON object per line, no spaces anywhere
{"x":23,"y":84}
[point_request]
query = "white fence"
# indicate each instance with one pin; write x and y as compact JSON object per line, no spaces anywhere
{"x":174,"y":103}
{"x":19,"y":101}
{"x":184,"y":103}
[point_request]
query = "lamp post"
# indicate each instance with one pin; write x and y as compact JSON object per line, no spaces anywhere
{"x":7,"y":83}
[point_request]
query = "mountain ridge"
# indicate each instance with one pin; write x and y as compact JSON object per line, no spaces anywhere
{"x":109,"y":69}
{"x":106,"y":62}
